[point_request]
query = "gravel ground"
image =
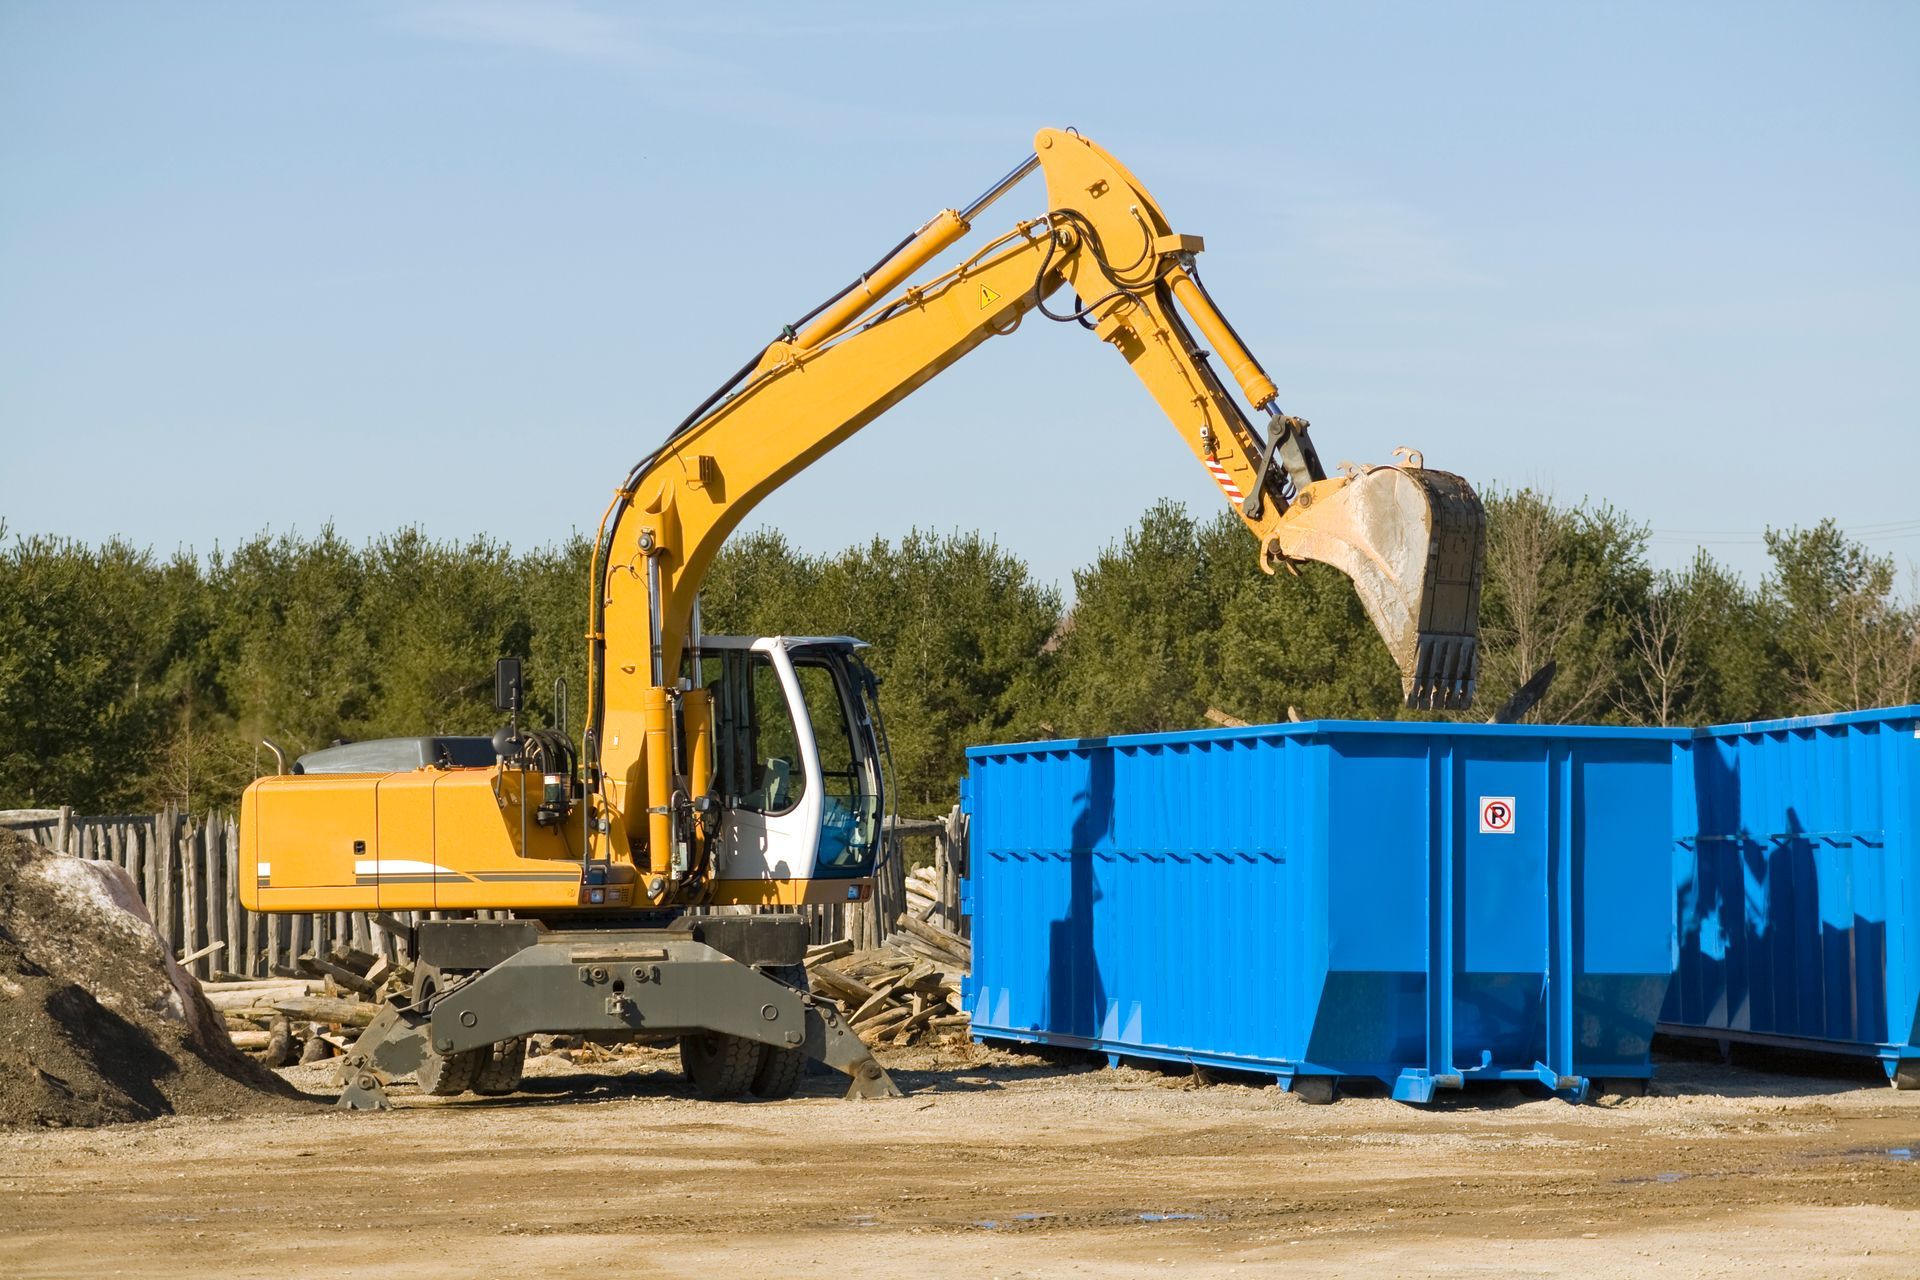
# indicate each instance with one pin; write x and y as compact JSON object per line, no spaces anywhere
{"x":996,"y":1165}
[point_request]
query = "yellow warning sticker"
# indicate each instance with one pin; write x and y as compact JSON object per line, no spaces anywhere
{"x":987,"y":297}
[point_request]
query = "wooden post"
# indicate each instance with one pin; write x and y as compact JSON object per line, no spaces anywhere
{"x":136,"y":854}
{"x":216,"y":887}
{"x":237,"y":954}
{"x":65,"y":825}
{"x":150,"y":871}
{"x":163,"y":914}
{"x":255,"y":968}
{"x":190,"y":894}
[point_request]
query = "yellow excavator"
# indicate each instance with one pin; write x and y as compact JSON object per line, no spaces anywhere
{"x":721,"y":771}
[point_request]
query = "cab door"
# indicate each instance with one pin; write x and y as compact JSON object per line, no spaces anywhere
{"x":795,"y":765}
{"x":765,"y":767}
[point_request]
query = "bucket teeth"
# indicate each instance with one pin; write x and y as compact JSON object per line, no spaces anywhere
{"x":1444,"y":673}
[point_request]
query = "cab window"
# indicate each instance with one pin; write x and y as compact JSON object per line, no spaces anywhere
{"x":756,"y":742}
{"x":849,"y":810}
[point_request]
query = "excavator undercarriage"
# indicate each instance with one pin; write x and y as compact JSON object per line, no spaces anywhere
{"x":730,"y":989}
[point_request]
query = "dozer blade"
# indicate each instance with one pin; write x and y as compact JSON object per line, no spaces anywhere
{"x":1414,"y":543}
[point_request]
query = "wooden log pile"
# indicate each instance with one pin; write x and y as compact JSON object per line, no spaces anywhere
{"x":905,"y":991}
{"x":310,"y":1010}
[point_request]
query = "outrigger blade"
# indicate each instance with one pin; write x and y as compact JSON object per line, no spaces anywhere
{"x":1414,"y":543}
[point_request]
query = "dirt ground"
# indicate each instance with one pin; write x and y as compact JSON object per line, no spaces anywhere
{"x":996,"y":1165}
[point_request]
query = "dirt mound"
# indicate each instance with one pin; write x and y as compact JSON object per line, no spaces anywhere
{"x":97,"y":1022}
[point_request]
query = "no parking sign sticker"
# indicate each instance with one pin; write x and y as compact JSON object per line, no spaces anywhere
{"x":1496,"y":815}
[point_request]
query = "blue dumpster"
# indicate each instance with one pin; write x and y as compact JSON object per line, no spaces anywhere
{"x":1425,"y":904}
{"x":1797,"y":879}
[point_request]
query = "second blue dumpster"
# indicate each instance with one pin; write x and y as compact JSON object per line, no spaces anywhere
{"x":1426,"y":904}
{"x":1797,"y":880}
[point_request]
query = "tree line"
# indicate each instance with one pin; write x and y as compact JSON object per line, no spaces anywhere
{"x":129,"y":679}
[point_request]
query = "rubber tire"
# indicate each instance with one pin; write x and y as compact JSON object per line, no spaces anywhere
{"x":720,"y":1066}
{"x":500,"y":1068}
{"x":448,"y":1075}
{"x":781,"y":1069}
{"x":439,"y":1074}
{"x":1906,"y":1076}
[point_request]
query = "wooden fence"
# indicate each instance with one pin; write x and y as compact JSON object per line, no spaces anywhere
{"x":187,"y":871}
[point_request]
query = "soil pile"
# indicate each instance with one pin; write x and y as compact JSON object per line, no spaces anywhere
{"x":97,"y":1022}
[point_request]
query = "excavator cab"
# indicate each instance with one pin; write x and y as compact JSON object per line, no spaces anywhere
{"x":797,"y":761}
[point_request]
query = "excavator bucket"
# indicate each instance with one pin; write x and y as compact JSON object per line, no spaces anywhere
{"x":1414,"y":543}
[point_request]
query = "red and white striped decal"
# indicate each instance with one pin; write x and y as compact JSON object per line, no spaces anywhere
{"x":1225,"y":481}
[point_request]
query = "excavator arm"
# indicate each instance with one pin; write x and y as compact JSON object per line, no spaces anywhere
{"x":1410,"y":539}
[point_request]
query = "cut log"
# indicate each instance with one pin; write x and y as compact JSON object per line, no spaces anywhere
{"x":391,"y":923}
{"x":829,"y":951}
{"x":842,"y":986}
{"x":207,"y":950}
{"x":351,"y":958}
{"x":346,"y":977}
{"x":939,"y":938}
{"x":280,"y":1044}
{"x":257,"y":984}
{"x":346,"y":1013}
{"x":233,"y":1001}
{"x":251,"y":1038}
{"x":919,"y":948}
{"x":883,"y":1023}
{"x":872,"y":1007}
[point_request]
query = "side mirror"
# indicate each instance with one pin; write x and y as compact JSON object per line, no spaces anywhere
{"x":506,"y":685}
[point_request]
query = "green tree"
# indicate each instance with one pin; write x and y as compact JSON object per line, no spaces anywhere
{"x":86,"y":637}
{"x":1133,"y":651}
{"x":295,"y":657}
{"x":437,"y":616}
{"x":1562,"y":585}
{"x":1847,"y":641}
{"x":553,"y":590}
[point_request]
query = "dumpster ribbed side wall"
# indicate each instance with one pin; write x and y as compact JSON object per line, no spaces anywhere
{"x":1325,"y":899}
{"x":1795,"y":881}
{"x":1144,"y":894}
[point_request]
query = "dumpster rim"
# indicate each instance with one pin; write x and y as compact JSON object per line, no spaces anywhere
{"x":1327,"y":728}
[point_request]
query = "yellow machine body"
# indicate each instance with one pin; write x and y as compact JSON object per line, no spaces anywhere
{"x":422,"y":840}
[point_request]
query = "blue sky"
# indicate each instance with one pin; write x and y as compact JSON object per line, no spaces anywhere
{"x":459,"y":264}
